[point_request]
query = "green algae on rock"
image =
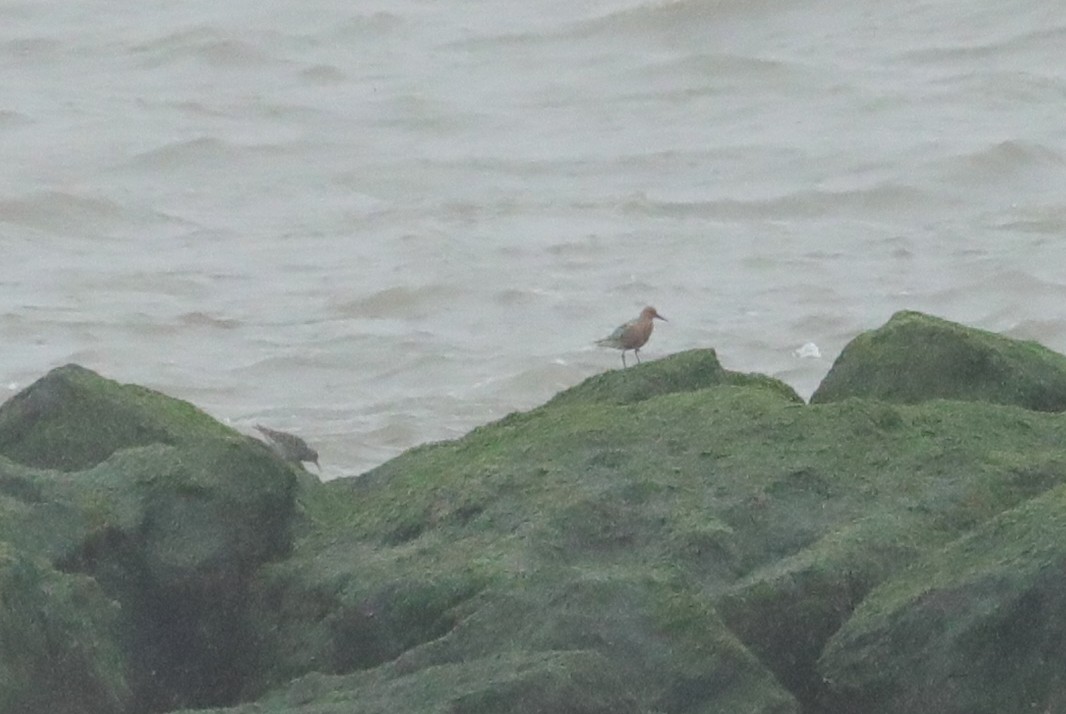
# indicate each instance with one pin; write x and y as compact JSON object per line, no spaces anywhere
{"x":175,"y":534}
{"x":170,"y":532}
{"x":60,"y":641}
{"x":561,"y":639}
{"x":915,"y":357}
{"x":974,"y":627}
{"x":779,"y":516}
{"x":671,"y":539}
{"x":72,"y":418}
{"x":516,"y":540}
{"x":682,"y":372}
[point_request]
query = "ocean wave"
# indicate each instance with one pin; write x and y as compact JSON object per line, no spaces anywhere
{"x":809,"y":203}
{"x":203,"y":151}
{"x":204,"y":43}
{"x":59,"y":210}
{"x":619,"y":20}
{"x":1005,"y":42}
{"x":398,"y":302}
{"x":993,"y":161}
{"x":671,"y":16}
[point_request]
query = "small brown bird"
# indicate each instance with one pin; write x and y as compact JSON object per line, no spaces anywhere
{"x":289,"y":447}
{"x":633,"y":334}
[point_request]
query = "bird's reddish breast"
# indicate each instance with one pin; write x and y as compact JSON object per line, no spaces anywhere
{"x":637,"y":333}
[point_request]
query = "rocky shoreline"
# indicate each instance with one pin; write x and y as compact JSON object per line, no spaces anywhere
{"x":675,"y":537}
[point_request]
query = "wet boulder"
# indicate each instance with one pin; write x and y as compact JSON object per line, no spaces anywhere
{"x":60,"y":636}
{"x":915,"y":357}
{"x":72,"y":418}
{"x":977,"y":626}
{"x":167,"y":513}
{"x":687,"y":371}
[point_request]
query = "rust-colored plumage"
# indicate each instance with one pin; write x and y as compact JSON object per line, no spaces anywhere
{"x":633,"y":334}
{"x":289,"y":447}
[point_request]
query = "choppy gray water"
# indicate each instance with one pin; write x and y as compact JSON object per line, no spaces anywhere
{"x":382,"y":223}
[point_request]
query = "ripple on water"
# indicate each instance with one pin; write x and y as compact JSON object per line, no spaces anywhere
{"x":324,"y":74}
{"x":992,"y":162}
{"x":59,"y":210}
{"x":197,"y":152}
{"x":398,"y":302}
{"x":205,"y":43}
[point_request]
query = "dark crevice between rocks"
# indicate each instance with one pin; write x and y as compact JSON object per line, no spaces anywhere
{"x":787,"y":629}
{"x":196,"y":648}
{"x":187,"y":647}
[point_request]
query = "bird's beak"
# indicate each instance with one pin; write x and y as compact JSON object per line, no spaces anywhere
{"x":315,"y":462}
{"x":661,"y":317}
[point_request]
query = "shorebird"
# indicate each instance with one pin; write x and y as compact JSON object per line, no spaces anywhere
{"x":633,"y":334}
{"x":289,"y":447}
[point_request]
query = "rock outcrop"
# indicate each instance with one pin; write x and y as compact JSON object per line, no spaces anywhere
{"x":673,"y":538}
{"x":914,"y":358}
{"x":144,"y":545}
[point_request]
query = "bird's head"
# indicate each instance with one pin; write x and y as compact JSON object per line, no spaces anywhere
{"x":649,"y":313}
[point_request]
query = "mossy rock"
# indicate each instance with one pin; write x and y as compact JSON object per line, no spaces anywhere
{"x":220,"y":506}
{"x":175,"y":534}
{"x":682,"y":372}
{"x":787,"y":611}
{"x":36,"y":516}
{"x":166,"y":512}
{"x":561,"y":640}
{"x":59,"y":636}
{"x":173,"y":537}
{"x":577,"y":682}
{"x":780,"y":515}
{"x":976,"y":627}
{"x":509,"y":518}
{"x":667,"y":647}
{"x":915,"y":357}
{"x":660,"y":539}
{"x":72,"y":418}
{"x":349,"y":608}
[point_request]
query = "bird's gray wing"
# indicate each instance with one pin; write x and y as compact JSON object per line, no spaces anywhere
{"x":621,"y":330}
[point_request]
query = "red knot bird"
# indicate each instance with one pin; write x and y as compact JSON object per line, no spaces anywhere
{"x":289,"y":447}
{"x":633,"y":334}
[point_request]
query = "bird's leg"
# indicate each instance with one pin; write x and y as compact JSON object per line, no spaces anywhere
{"x":637,"y":353}
{"x":623,"y":359}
